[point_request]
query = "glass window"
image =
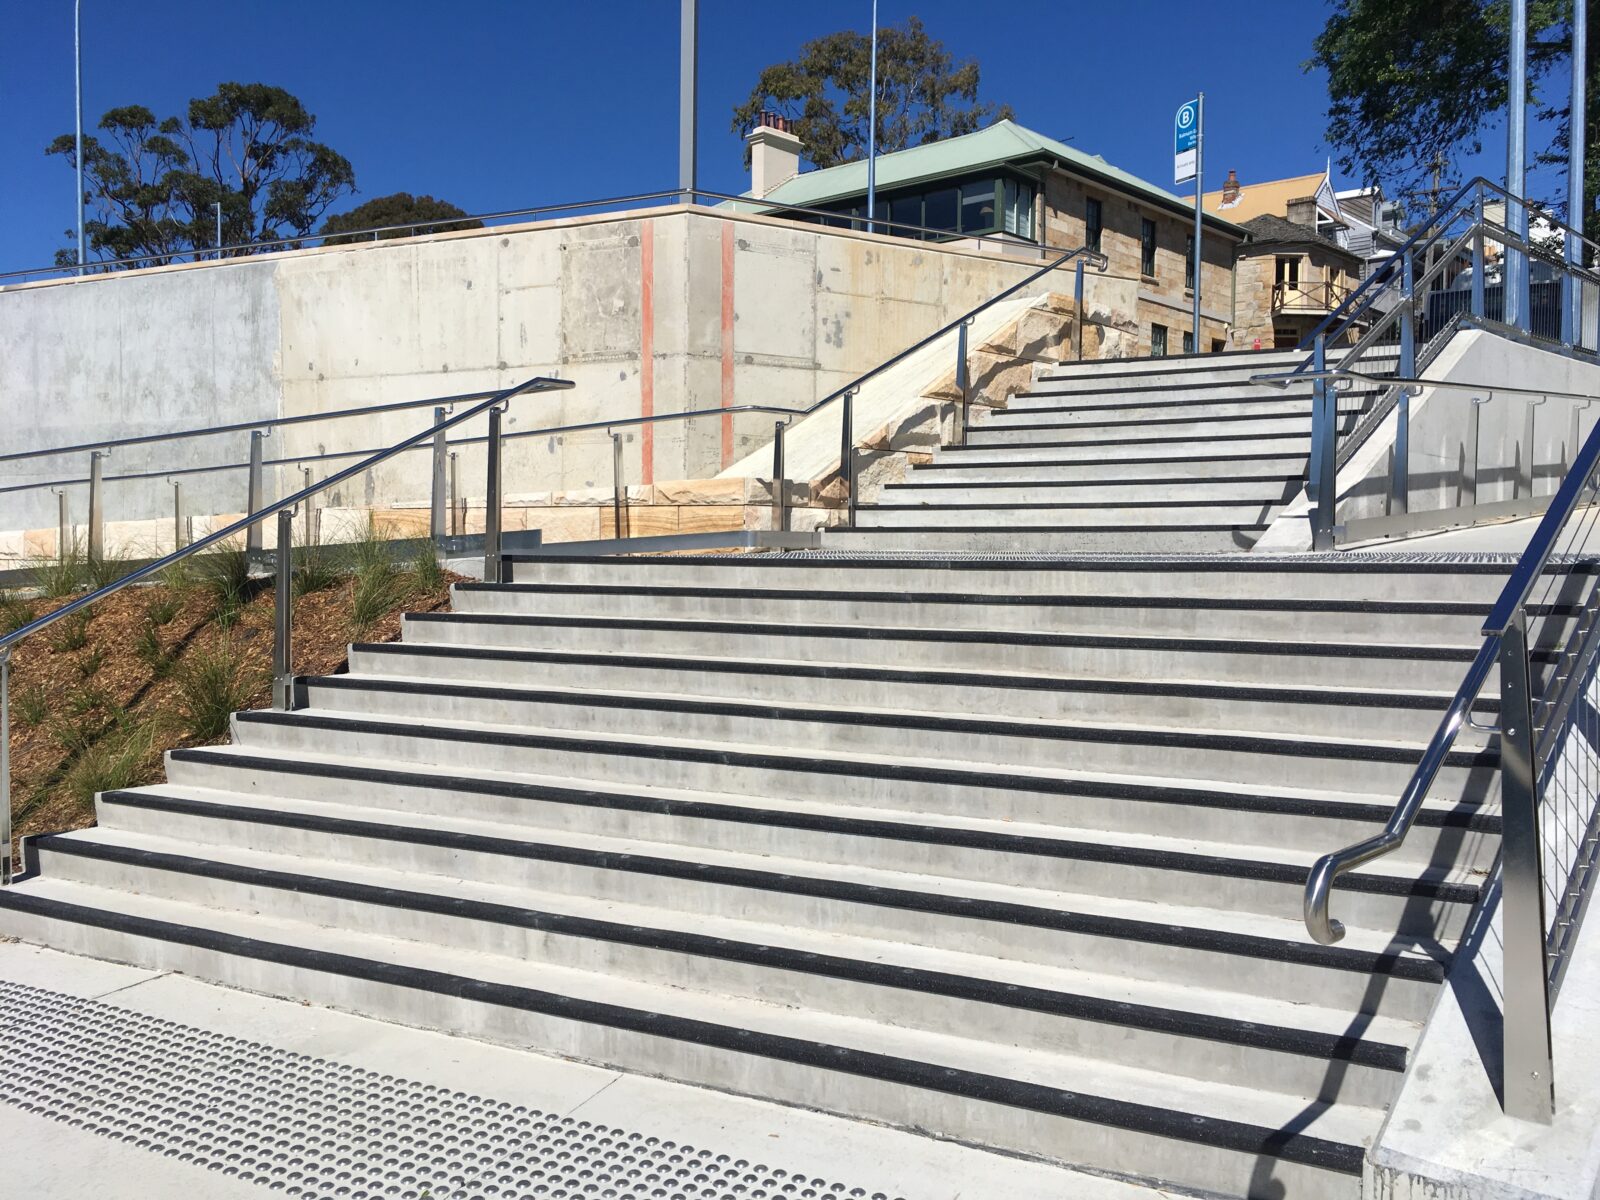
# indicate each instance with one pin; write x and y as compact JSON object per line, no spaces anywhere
{"x":941,"y":210}
{"x":1288,"y":269}
{"x":1092,"y":224}
{"x":1018,"y":200}
{"x":1188,"y":263}
{"x":1158,"y":338}
{"x":977,"y":207}
{"x":1188,"y":341}
{"x":905,"y":210}
{"x":1147,"y":248}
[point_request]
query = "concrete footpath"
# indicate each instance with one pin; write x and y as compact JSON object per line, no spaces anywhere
{"x":124,"y":1083}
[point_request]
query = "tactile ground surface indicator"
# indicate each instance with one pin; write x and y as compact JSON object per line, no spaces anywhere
{"x":309,"y":1127}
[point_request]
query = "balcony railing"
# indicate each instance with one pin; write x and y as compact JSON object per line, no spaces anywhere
{"x":1324,"y":296}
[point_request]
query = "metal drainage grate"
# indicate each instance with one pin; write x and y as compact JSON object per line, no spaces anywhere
{"x":309,"y":1127}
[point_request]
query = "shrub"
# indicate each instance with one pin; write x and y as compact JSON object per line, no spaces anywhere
{"x":15,"y":612}
{"x":426,"y":573}
{"x":213,"y":682}
{"x":106,"y":570}
{"x":32,"y":706}
{"x":147,"y":646}
{"x":316,"y":573}
{"x":225,"y":577}
{"x":71,"y":633}
{"x":91,"y":662}
{"x":56,"y":578}
{"x":85,"y":699}
{"x":121,"y":759}
{"x":379,"y":586}
{"x":163,"y":607}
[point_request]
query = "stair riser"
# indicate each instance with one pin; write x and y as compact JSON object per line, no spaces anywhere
{"x":1105,"y":661}
{"x":1180,"y":469}
{"x":1148,"y":373}
{"x":981,"y":1122}
{"x":1196,"y":405}
{"x":1252,"y":581}
{"x":1121,"y":879}
{"x":913,"y":1008}
{"x":1268,"y":714}
{"x":1016,"y":450}
{"x":1256,"y":624}
{"x":1044,"y":541}
{"x":1179,"y":491}
{"x":1163,"y":517}
{"x":1203,"y":437}
{"x":1135,"y":755}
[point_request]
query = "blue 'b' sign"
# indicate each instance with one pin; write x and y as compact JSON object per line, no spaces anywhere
{"x":1186,"y":128}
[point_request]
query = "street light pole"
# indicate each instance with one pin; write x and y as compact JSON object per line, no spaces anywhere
{"x":77,"y":73}
{"x":872,"y":127}
{"x":688,"y":87}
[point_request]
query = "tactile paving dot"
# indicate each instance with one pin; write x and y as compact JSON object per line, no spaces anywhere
{"x":314,"y":1129}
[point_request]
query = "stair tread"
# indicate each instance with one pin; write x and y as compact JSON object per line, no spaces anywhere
{"x":1203,"y":855}
{"x":1222,"y":1006}
{"x":1141,"y":1097}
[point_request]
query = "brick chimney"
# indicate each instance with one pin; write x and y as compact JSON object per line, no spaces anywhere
{"x":774,"y":153}
{"x":1303,"y":211}
{"x":1230,"y":189}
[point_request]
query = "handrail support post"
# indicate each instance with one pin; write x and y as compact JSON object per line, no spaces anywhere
{"x":963,"y":384}
{"x":619,"y":496}
{"x":5,"y":765}
{"x":253,"y":495}
{"x":308,"y":534}
{"x":847,"y":463}
{"x":436,"y":497}
{"x":97,"y":510}
{"x":63,"y":526}
{"x":177,"y":514}
{"x":456,"y":519}
{"x":780,"y":491}
{"x":1077,"y":297}
{"x":1529,"y":1082}
{"x":1477,"y":252}
{"x":1323,"y":481}
{"x":493,"y":565}
{"x":283,"y":616}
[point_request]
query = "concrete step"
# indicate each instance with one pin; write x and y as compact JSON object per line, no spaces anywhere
{"x":1200,"y":1135}
{"x":329,"y":864}
{"x":1078,"y":539}
{"x":1356,"y":577}
{"x":956,"y":469}
{"x":924,"y":824}
{"x":1199,"y":370}
{"x":1126,"y":450}
{"x":1176,"y":943}
{"x":1311,"y":662}
{"x":1284,"y":616}
{"x":1173,"y":401}
{"x":1204,"y":435}
{"x":1221,"y":754}
{"x":1269,"y":708}
{"x":1021,"y":515}
{"x":999,"y":493}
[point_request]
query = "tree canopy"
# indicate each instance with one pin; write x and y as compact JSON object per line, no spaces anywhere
{"x":152,"y":183}
{"x":924,"y":95}
{"x":1414,"y":81}
{"x":400,"y":208}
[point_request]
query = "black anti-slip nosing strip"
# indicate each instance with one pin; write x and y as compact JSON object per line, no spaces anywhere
{"x":1128,"y":856}
{"x":1466,"y":817}
{"x":1232,"y":1135}
{"x":1010,"y":420}
{"x":1097,"y":443}
{"x":1354,"y":563}
{"x":1140,"y":399}
{"x":1029,"y":530}
{"x":937,"y":465}
{"x":1295,"y":952}
{"x":1223,"y":692}
{"x":1264,"y":480}
{"x":1067,"y":506}
{"x":1281,"y":1039}
{"x":1448,"y":608}
{"x":965,"y":636}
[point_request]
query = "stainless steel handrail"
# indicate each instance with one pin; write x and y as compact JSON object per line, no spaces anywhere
{"x":493,"y":401}
{"x":760,"y":207}
{"x":244,"y":426}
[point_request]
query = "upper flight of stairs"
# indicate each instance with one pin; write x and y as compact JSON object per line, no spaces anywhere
{"x":1010,"y":851}
{"x":1163,"y":455}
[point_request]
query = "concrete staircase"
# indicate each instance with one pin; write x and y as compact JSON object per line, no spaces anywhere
{"x":1178,"y":454}
{"x":1007,"y":849}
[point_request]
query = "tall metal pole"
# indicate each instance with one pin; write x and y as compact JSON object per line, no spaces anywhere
{"x":1572,"y":312}
{"x":77,"y":74}
{"x":872,"y":126}
{"x":1199,"y":192}
{"x":688,"y":89}
{"x":218,"y":206}
{"x":1516,"y":272}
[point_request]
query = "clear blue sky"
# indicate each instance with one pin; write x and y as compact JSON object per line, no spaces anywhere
{"x":511,"y":104}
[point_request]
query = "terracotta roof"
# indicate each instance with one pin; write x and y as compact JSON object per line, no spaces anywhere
{"x":1271,"y":196}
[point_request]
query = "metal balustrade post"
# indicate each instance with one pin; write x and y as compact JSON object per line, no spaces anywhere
{"x":1529,"y":1082}
{"x":1574,"y":435}
{"x":97,"y":512}
{"x":1477,"y":252}
{"x":455,"y":496}
{"x":492,"y":564}
{"x":847,"y":463}
{"x":1407,"y":366}
{"x":63,"y":526}
{"x":1525,"y":452}
{"x":962,"y":384}
{"x":253,"y":493}
{"x":177,"y":515}
{"x":1077,"y":296}
{"x":619,"y":499}
{"x":437,"y":496}
{"x":5,"y":766}
{"x":780,"y":491}
{"x":283,"y":616}
{"x":308,"y":536}
{"x":1469,"y":454}
{"x":1324,"y":430}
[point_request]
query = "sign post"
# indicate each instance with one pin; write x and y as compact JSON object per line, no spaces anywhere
{"x":1188,"y":162}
